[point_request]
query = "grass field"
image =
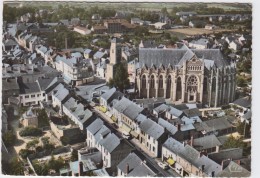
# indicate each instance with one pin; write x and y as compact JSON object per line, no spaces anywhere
{"x":196,"y":31}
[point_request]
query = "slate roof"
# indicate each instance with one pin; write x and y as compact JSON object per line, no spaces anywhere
{"x":247,"y":115}
{"x":161,"y":108}
{"x":173,"y":145}
{"x":192,"y":112}
{"x":122,"y":104}
{"x":244,"y":102}
{"x":166,"y":57}
{"x":26,"y":88}
{"x":168,"y":126}
{"x":152,"y":128}
{"x":132,"y":111}
{"x":102,"y":133}
{"x":213,"y":125}
{"x":233,"y":153}
{"x":234,"y":170}
{"x":175,"y":112}
{"x":10,"y":42}
{"x":45,"y":82}
{"x":206,"y":142}
{"x":99,"y":54}
{"x":87,"y":51}
{"x":201,"y":41}
{"x":61,"y":93}
{"x":110,"y":142}
{"x":95,"y":126}
{"x":136,"y":166}
{"x":11,"y":84}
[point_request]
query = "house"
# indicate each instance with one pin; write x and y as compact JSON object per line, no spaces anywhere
{"x":160,"y":25}
{"x":96,"y":18}
{"x":134,"y":166}
{"x":148,"y":44}
{"x":129,"y":54}
{"x":64,"y":22}
{"x":75,"y":21}
{"x":59,"y":95}
{"x":109,"y":96}
{"x":234,"y":170}
{"x":226,"y":154}
{"x":9,"y":44}
{"x":173,"y":113}
{"x":76,"y":70}
{"x":160,"y":110}
{"x":78,"y":113}
{"x":152,"y":136}
{"x":187,"y":161}
{"x":149,"y":103}
{"x":10,"y":88}
{"x":99,"y":29}
{"x":244,"y":103}
{"x":112,"y":148}
{"x":209,"y":143}
{"x":218,"y":127}
{"x":235,"y":45}
{"x":101,"y":68}
{"x":201,"y":43}
{"x":29,"y":118}
{"x":82,"y":30}
{"x":186,"y":13}
{"x":88,"y":53}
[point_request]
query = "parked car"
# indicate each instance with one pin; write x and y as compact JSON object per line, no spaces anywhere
{"x":162,"y":165}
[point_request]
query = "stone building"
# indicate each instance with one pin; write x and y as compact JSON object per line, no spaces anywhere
{"x":186,"y":75}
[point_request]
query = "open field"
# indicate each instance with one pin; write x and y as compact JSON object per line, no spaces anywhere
{"x":196,"y":31}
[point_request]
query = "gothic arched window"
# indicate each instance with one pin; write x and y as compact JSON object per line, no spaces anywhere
{"x":169,"y":82}
{"x":161,"y":81}
{"x":144,"y":81}
{"x":205,"y":85}
{"x":192,"y":83}
{"x":152,"y":81}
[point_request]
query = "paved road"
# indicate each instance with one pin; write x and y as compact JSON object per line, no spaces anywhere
{"x":151,"y":161}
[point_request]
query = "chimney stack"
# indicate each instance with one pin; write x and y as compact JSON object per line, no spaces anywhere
{"x":127,"y":169}
{"x":202,"y":168}
{"x":191,"y":141}
{"x":179,"y":127}
{"x":80,"y":168}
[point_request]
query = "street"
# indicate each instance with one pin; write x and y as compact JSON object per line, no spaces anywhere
{"x":150,"y":161}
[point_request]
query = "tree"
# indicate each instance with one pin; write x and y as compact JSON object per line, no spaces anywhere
{"x":241,"y":81}
{"x":43,"y":119}
{"x":243,"y":128}
{"x":31,"y":145}
{"x":30,"y":131}
{"x":233,"y":142}
{"x":9,"y":138}
{"x":120,"y":79}
{"x":14,"y":167}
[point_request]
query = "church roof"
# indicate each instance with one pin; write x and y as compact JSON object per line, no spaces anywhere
{"x":157,"y":57}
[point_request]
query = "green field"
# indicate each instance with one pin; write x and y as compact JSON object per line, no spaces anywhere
{"x":128,"y":5}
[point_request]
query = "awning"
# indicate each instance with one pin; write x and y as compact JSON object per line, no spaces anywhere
{"x":126,"y":128}
{"x":134,"y":134}
{"x":103,"y":109}
{"x":170,"y":161}
{"x":113,"y":118}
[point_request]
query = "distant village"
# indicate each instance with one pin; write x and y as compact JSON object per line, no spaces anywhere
{"x":183,"y":109}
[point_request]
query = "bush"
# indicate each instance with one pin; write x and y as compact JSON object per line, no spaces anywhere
{"x":224,"y":107}
{"x":24,"y":153}
{"x":30,"y":131}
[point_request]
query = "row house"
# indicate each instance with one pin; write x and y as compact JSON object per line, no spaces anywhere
{"x":113,"y":149}
{"x":187,"y":161}
{"x":78,"y":113}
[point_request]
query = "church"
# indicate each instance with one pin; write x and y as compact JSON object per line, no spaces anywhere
{"x":186,"y":75}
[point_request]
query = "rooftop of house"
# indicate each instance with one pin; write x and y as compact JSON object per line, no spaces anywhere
{"x":60,"y":92}
{"x":168,"y":126}
{"x":206,"y":142}
{"x":95,"y":126}
{"x":136,"y":167}
{"x":10,"y":84}
{"x":201,"y":41}
{"x":213,"y":125}
{"x":243,"y":102}
{"x":29,"y":88}
{"x":152,"y":128}
{"x":234,"y":170}
{"x":232,"y":153}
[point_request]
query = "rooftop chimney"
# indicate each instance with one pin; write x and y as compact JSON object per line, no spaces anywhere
{"x":202,"y":168}
{"x":80,"y":168}
{"x":127,"y":168}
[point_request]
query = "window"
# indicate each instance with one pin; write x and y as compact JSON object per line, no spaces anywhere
{"x":152,"y":82}
{"x":153,"y":149}
{"x":26,"y":96}
{"x":149,"y":137}
{"x":43,"y":94}
{"x":154,"y":141}
{"x":169,"y":82}
{"x":161,"y":81}
{"x":32,"y":96}
{"x":38,"y":95}
{"x":144,"y":81}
